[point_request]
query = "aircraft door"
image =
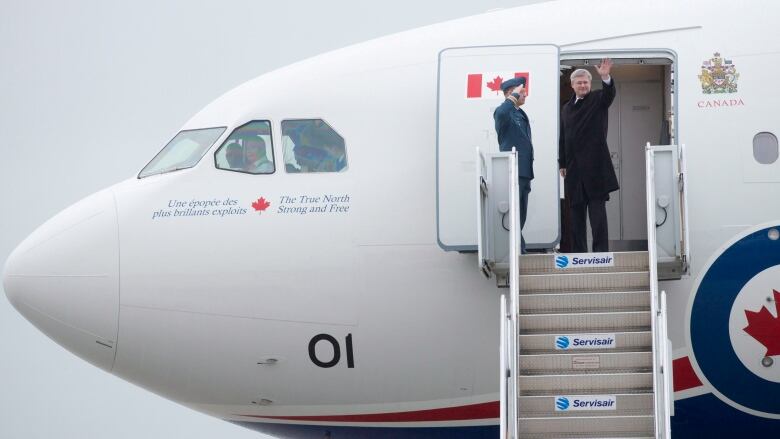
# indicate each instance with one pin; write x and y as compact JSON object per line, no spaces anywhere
{"x":634,"y":119}
{"x":641,"y":114}
{"x":468,"y":93}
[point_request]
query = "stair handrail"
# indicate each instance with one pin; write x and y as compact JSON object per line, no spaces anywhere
{"x":509,"y":326}
{"x":514,"y":289}
{"x":504,"y":372}
{"x":482,"y":236}
{"x":666,"y":362}
{"x":684,"y":232}
{"x":660,"y":384}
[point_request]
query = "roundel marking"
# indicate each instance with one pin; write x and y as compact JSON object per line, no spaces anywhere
{"x":714,"y":355}
{"x":754,"y":325}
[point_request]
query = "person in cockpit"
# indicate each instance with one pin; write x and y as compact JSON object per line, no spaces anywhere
{"x":234,"y":155}
{"x":256,"y":160}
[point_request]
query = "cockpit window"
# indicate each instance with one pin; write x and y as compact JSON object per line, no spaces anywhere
{"x":311,"y":145}
{"x":183,"y":151}
{"x":248,"y":149}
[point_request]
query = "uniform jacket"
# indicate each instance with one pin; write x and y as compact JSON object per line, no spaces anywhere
{"x":582,"y":146}
{"x":513,"y":130}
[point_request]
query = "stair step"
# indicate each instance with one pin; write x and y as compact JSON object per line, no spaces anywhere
{"x":585,"y":310}
{"x":588,"y":322}
{"x":584,"y":302}
{"x":550,"y":426}
{"x":631,"y":280}
{"x":575,"y":384}
{"x":583,"y":361}
{"x":640,"y":404}
{"x":609,"y":391}
{"x":624,"y":341}
{"x":636,"y":435}
{"x":575,"y":292}
{"x":546,"y":263}
{"x":551,"y":372}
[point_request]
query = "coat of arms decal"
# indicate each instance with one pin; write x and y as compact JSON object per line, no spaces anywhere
{"x":718,"y":75}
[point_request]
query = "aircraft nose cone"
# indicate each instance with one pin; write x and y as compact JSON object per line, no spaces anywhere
{"x":64,"y":278}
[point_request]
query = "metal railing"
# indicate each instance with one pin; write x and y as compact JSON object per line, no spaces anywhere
{"x":509,"y":325}
{"x":683,"y":181}
{"x":494,"y":170}
{"x":482,"y":203}
{"x":661,"y":370}
{"x":666,"y":361}
{"x":504,"y":368}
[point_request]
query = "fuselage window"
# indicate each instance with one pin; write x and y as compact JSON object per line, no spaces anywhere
{"x":765,"y":149}
{"x":311,"y":145}
{"x":248,"y":149}
{"x":183,"y":151}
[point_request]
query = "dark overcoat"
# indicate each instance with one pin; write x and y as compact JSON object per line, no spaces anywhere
{"x":514,"y":130}
{"x":582,"y":146}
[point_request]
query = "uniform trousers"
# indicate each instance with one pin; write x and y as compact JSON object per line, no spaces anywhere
{"x":525,"y":189}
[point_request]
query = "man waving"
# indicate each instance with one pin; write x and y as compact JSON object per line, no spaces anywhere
{"x":583,"y":157}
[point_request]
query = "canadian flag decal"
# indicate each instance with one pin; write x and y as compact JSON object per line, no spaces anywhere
{"x":488,"y":85}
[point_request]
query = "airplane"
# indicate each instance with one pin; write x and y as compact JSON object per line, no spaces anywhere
{"x":309,"y":269}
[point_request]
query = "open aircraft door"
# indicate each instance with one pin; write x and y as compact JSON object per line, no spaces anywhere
{"x":468,"y":92}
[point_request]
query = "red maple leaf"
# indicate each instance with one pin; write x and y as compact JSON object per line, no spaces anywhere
{"x":765,"y":328}
{"x":495,"y":84}
{"x":261,"y":205}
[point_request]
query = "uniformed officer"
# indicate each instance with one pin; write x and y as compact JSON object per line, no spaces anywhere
{"x":514,"y":130}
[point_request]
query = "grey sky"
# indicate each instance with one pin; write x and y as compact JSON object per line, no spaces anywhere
{"x":89,"y":92}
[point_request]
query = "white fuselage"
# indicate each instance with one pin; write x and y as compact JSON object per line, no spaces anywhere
{"x":193,"y":305}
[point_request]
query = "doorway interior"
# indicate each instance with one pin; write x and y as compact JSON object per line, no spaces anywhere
{"x":642,"y":112}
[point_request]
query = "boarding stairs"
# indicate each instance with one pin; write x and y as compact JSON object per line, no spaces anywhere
{"x":557,"y":310}
{"x":584,"y":349}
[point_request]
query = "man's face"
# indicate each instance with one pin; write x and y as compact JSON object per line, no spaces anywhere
{"x":520,"y":91}
{"x":254,"y":150}
{"x":581,"y":86}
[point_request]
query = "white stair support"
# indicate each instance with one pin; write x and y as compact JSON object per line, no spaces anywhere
{"x":509,"y":333}
{"x":660,"y":373}
{"x":514,"y":291}
{"x":504,"y":369}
